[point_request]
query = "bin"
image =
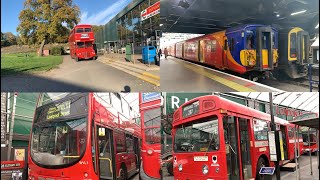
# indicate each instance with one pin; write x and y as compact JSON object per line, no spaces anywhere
{"x":149,"y":54}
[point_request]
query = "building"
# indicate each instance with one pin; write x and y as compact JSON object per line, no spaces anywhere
{"x":131,"y":26}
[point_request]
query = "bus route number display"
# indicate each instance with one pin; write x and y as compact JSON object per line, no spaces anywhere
{"x":59,"y":110}
{"x":190,"y":109}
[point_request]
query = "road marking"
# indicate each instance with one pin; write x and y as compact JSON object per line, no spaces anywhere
{"x":151,"y":76}
{"x":230,"y":84}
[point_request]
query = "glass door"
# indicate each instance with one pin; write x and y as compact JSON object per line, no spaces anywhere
{"x":105,"y":152}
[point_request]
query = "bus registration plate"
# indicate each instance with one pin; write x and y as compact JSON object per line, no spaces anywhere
{"x":200,"y":158}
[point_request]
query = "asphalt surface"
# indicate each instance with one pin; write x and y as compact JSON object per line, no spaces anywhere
{"x":75,"y":76}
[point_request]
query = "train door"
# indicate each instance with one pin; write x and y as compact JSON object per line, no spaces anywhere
{"x":264,"y":48}
{"x":224,"y":53}
{"x":303,"y":47}
{"x":231,"y":143}
{"x":105,"y":152}
{"x":202,"y":48}
{"x":244,"y":125}
{"x":284,"y":142}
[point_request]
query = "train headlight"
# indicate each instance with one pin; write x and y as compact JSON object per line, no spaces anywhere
{"x":205,"y":169}
{"x":149,"y":151}
{"x":180,"y":167}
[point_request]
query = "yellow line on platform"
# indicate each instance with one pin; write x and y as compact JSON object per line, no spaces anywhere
{"x":151,"y":76}
{"x":221,"y":80}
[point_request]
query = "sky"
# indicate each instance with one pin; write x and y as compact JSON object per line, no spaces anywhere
{"x":95,"y":12}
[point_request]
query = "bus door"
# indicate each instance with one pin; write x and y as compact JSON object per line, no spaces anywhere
{"x":284,"y":141}
{"x":231,"y":143}
{"x":244,"y":125}
{"x":105,"y":152}
{"x":136,"y":148}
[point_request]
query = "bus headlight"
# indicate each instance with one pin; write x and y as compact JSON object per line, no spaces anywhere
{"x":149,"y":151}
{"x":180,"y":167}
{"x":205,"y":169}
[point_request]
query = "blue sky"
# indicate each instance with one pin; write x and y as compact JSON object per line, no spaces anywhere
{"x":96,"y":12}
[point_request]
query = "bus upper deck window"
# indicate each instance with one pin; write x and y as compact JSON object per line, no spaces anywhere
{"x":87,"y":30}
{"x":79,"y":30}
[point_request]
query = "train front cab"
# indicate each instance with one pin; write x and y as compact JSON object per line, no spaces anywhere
{"x":294,"y":52}
{"x":254,"y":47}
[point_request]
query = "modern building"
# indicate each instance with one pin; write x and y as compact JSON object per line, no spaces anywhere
{"x":137,"y":25}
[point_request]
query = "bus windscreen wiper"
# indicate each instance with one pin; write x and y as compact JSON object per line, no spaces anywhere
{"x":209,"y":145}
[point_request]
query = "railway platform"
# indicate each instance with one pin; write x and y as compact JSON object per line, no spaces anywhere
{"x":177,"y":75}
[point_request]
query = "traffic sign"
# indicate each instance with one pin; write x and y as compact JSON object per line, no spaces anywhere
{"x":267,"y":170}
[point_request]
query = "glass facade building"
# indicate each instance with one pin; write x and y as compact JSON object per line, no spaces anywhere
{"x":128,"y":28}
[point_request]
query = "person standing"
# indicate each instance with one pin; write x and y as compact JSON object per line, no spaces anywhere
{"x":165,"y":53}
{"x":159,"y":53}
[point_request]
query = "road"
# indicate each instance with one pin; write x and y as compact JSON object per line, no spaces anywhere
{"x":75,"y":76}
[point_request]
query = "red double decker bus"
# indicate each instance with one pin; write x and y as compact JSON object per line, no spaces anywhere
{"x":81,"y":43}
{"x":151,"y":136}
{"x":214,"y":138}
{"x":83,"y":136}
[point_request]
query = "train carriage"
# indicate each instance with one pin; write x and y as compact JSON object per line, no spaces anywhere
{"x":248,"y":49}
{"x":294,"y":52}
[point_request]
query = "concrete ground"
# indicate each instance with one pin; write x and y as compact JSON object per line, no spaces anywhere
{"x":179,"y":75}
{"x":75,"y":76}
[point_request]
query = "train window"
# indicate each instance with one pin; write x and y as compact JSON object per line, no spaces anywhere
{"x":249,"y":41}
{"x":293,"y":45}
{"x":225,"y":44}
{"x":213,"y":46}
{"x":231,"y":44}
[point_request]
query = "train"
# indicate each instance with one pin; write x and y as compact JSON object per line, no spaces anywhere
{"x":293,"y":53}
{"x":252,"y":50}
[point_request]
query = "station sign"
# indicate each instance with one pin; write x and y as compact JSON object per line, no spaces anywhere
{"x":146,"y":97}
{"x":267,"y":170}
{"x":3,"y":118}
{"x":174,"y":100}
{"x":150,"y":11}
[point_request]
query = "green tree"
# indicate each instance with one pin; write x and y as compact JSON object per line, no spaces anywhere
{"x":96,"y":28}
{"x":47,"y":21}
{"x":10,"y":38}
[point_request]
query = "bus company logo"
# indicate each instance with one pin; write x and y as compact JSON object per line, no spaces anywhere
{"x":84,"y":162}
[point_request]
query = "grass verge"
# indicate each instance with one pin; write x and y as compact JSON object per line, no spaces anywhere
{"x":19,"y":63}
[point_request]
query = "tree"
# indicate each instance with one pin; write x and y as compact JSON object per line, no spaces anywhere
{"x":47,"y":21}
{"x":12,"y":39}
{"x":96,"y":28}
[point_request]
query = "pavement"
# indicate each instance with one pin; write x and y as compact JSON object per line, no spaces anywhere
{"x":178,"y":75}
{"x":82,"y":76}
{"x":149,"y":73}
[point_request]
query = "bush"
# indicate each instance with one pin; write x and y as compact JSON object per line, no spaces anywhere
{"x":56,"y":50}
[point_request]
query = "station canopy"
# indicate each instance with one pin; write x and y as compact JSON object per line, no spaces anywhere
{"x":308,"y":101}
{"x":208,"y":16}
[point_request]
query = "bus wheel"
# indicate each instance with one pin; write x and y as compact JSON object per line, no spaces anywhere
{"x":94,"y":58}
{"x":77,"y":59}
{"x":123,"y":175}
{"x":170,"y":168}
{"x":261,"y":163}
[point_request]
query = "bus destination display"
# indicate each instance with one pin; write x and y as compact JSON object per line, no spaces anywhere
{"x":59,"y":110}
{"x":190,"y":109}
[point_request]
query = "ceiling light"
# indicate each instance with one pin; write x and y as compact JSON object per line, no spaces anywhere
{"x":278,"y":15}
{"x":161,"y":25}
{"x":299,"y":12}
{"x":317,"y":26}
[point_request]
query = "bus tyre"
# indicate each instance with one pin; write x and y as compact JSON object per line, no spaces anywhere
{"x":170,"y":168}
{"x":261,"y":163}
{"x":123,"y":174}
{"x":77,"y":59}
{"x":94,"y":58}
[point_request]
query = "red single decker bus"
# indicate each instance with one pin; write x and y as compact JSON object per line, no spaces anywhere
{"x":151,"y":136}
{"x":81,"y":43}
{"x":214,"y":138}
{"x":87,"y":136}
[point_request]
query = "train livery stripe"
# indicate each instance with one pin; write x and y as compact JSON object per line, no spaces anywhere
{"x":230,"y":84}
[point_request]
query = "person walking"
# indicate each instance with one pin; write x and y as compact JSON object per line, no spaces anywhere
{"x":165,"y":53}
{"x":159,"y":53}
